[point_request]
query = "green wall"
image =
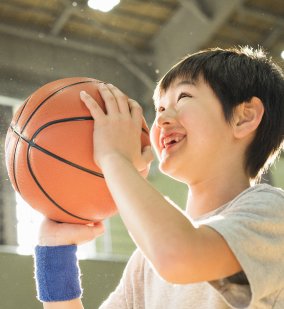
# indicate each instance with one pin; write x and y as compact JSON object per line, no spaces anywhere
{"x":17,"y":288}
{"x":277,"y":172}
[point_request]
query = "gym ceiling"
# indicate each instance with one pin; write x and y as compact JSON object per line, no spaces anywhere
{"x":145,"y":37}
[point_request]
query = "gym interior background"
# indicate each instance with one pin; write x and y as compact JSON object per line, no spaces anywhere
{"x":130,"y":46}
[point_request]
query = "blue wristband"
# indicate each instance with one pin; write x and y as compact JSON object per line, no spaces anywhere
{"x":57,"y":273}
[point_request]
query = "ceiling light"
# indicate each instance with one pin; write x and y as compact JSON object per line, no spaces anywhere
{"x":103,"y":5}
{"x":282,"y":54}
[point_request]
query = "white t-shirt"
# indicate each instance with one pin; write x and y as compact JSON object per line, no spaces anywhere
{"x":253,"y":226}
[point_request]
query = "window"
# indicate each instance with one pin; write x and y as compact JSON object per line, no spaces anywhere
{"x":114,"y":242}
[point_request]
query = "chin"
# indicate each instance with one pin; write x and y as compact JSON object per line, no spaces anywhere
{"x":171,"y":171}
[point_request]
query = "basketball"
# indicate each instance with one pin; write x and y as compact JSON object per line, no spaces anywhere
{"x":49,"y":153}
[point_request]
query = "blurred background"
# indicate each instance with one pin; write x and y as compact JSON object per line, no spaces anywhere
{"x":130,"y":43}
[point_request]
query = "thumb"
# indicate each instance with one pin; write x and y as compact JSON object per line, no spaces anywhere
{"x":79,"y":234}
{"x":91,"y":231}
{"x":148,"y":157}
{"x":147,"y":154}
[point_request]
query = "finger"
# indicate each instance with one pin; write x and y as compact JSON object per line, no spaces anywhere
{"x":147,"y":154}
{"x":92,"y":105}
{"x":147,"y":158}
{"x":145,"y":172}
{"x":109,"y":99}
{"x":99,"y":227}
{"x":121,"y":99}
{"x":92,"y":231}
{"x":80,"y":233}
{"x":136,"y":112}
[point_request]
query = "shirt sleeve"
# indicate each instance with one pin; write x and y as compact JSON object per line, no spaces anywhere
{"x":117,"y":299}
{"x":129,"y":292}
{"x":253,"y":227}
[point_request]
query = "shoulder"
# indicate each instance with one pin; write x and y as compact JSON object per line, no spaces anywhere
{"x":258,"y":201}
{"x":136,"y":263}
{"x":262,"y":199}
{"x":256,"y":207}
{"x":261,"y":191}
{"x":252,"y":225}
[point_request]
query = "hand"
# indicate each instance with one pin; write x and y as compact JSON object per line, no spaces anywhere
{"x":52,"y":233}
{"x":119,"y":131}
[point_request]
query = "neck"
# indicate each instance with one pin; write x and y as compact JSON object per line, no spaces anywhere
{"x":211,"y":193}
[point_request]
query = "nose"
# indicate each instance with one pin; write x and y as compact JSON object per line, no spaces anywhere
{"x":166,"y":117}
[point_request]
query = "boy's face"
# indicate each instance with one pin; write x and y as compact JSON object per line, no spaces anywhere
{"x":190,"y":134}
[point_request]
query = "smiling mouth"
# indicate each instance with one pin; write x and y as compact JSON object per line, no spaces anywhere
{"x":167,"y":142}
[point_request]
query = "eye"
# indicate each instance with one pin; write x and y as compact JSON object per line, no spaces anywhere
{"x":184,"y":95}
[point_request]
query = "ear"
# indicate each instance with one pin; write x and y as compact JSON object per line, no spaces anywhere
{"x":247,"y":117}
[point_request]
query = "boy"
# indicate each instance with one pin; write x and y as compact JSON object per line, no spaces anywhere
{"x":219,"y":125}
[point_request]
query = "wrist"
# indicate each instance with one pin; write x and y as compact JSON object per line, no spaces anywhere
{"x":51,"y":241}
{"x":57,"y":273}
{"x":53,"y":233}
{"x":111,"y":159}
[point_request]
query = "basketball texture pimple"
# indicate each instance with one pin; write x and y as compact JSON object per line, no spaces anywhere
{"x":49,"y":153}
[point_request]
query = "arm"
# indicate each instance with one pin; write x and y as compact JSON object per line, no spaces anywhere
{"x":56,"y":263}
{"x":180,"y":252}
{"x":71,"y":304}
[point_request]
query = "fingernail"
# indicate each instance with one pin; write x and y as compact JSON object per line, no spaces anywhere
{"x":83,"y":93}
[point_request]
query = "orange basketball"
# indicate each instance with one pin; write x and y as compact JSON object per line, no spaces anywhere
{"x":49,"y":153}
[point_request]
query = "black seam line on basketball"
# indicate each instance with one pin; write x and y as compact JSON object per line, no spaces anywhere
{"x":31,"y":143}
{"x":81,"y":118}
{"x":46,"y":194}
{"x":47,"y":152}
{"x":14,"y":166}
{"x":42,"y":103}
{"x":70,"y":119}
{"x":25,"y":104}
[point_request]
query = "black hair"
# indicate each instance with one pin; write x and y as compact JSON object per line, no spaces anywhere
{"x":236,"y":75}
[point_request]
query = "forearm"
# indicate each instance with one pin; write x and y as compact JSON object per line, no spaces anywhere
{"x":71,"y":304}
{"x":158,"y":227}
